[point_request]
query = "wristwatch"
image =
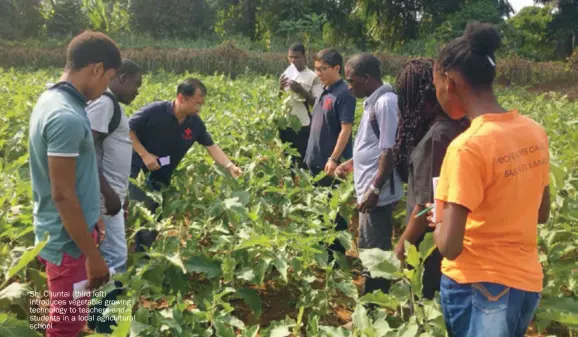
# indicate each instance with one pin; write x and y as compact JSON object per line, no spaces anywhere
{"x":374,"y":189}
{"x":229,"y":165}
{"x":334,"y":160}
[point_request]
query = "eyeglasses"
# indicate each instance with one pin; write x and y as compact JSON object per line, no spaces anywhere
{"x":322,"y":68}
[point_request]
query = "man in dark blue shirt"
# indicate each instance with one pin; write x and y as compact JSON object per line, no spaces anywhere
{"x":333,"y":114}
{"x":162,"y":133}
{"x":330,"y":139}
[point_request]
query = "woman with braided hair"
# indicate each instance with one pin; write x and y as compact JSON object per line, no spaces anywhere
{"x":423,"y":136}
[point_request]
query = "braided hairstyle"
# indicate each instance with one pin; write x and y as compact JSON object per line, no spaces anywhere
{"x":414,"y":85}
{"x":473,"y":54}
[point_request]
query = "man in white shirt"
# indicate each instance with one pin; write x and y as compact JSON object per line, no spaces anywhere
{"x":307,"y":86}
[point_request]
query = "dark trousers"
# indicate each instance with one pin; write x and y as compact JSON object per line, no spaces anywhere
{"x":144,"y":238}
{"x":432,"y":273}
{"x":298,"y":141}
{"x":340,"y":222}
{"x":97,"y":321}
{"x":375,"y":231}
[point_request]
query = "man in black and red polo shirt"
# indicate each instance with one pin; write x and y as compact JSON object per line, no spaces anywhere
{"x":162,"y":133}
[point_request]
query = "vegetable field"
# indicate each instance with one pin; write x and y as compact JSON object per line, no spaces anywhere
{"x":247,"y":257}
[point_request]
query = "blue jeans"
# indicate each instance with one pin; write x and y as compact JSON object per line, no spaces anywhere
{"x":113,"y":247}
{"x":486,"y":309}
{"x":114,"y":251}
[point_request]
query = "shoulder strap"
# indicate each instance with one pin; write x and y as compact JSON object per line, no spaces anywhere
{"x":375,"y":127}
{"x":373,"y":121}
{"x":116,"y":116}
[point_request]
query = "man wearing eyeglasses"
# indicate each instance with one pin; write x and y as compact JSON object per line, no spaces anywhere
{"x":330,"y":140}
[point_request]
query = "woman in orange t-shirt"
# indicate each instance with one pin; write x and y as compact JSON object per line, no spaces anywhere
{"x":492,"y":192}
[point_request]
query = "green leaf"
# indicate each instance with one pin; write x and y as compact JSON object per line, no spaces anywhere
{"x":247,"y":274}
{"x":251,"y":331}
{"x":233,"y":205}
{"x":12,"y":327}
{"x":252,"y":298}
{"x":281,"y":331}
{"x":360,"y":318}
{"x":123,"y":316}
{"x":243,"y":197}
{"x":176,"y":260}
{"x":411,"y":254}
{"x":381,"y":327}
{"x":203,"y":264}
{"x":408,"y":330}
{"x":348,"y":289}
{"x":345,"y":239}
{"x":341,"y":260}
{"x":416,"y":280}
{"x":427,"y":246}
{"x":400,"y":291}
{"x":26,"y":258}
{"x":381,"y":263}
{"x":563,"y":310}
{"x":261,"y":240}
{"x":281,"y":264}
{"x":137,"y":328}
{"x":142,"y":315}
{"x":14,"y":291}
{"x":335,"y":331}
{"x":381,"y":299}
{"x":222,"y":330}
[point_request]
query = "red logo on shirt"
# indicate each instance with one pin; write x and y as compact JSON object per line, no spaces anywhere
{"x":188,"y":135}
{"x":327,"y":103}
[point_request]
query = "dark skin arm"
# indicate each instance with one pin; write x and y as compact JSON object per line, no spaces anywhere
{"x":111,"y":199}
{"x":297,"y":88}
{"x":449,"y":235}
{"x":386,"y":165}
{"x":415,"y":228}
{"x":544,"y":210}
{"x":62,"y":172}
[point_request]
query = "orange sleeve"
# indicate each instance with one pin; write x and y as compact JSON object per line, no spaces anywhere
{"x":461,"y":178}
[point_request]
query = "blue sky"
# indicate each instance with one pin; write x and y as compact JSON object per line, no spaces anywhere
{"x":519,"y":4}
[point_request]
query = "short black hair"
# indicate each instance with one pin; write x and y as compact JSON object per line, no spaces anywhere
{"x":92,"y":47}
{"x":128,"y":67}
{"x":189,"y":86}
{"x":472,"y":54}
{"x":297,"y":47}
{"x":331,"y":57}
{"x":365,"y":64}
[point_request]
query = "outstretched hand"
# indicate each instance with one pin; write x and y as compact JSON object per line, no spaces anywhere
{"x":235,"y":171}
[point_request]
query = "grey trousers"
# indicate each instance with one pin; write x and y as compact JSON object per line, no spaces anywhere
{"x":375,"y":228}
{"x":375,"y":231}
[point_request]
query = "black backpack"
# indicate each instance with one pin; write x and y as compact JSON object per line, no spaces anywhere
{"x":117,"y":114}
{"x":401,"y":168}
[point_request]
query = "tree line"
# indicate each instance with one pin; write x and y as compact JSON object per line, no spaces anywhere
{"x":414,"y":27}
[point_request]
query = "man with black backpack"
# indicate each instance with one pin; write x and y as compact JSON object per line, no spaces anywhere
{"x":377,"y":181}
{"x":110,"y":131}
{"x":113,"y":146}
